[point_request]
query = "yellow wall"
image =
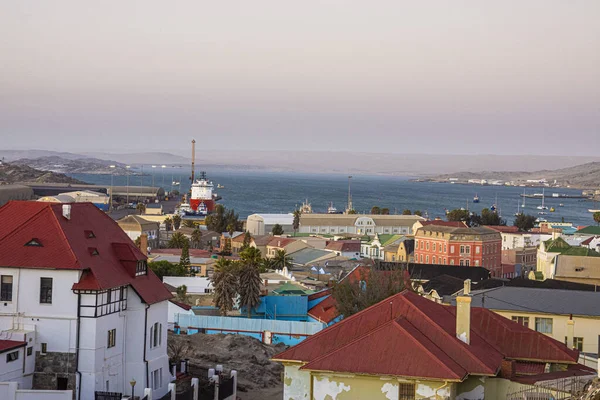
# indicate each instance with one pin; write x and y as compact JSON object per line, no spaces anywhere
{"x":585,"y":327}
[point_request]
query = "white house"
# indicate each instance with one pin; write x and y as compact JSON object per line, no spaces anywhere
{"x":175,"y":308}
{"x":341,"y":224}
{"x":195,"y":285}
{"x":77,"y":294}
{"x":262,"y":224}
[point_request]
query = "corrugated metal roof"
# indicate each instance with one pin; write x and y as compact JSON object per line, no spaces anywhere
{"x":308,"y":255}
{"x":375,"y":341}
{"x":549,"y":301}
{"x":65,"y":243}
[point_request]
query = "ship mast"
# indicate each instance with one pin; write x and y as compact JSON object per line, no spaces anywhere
{"x":349,"y":195}
{"x":193,"y":158}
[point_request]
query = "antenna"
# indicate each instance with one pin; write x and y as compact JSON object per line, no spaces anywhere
{"x":193,"y":158}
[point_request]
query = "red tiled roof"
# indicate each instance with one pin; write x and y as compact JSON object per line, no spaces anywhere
{"x":6,"y":345}
{"x":320,"y":294}
{"x":65,"y":245}
{"x":504,"y":229}
{"x":280,"y":242}
{"x":439,"y":222}
{"x":186,"y":307}
{"x":344,"y":245}
{"x":326,"y":311}
{"x":408,"y":323}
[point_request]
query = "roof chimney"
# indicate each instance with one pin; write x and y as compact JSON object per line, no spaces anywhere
{"x":463,"y":314}
{"x":144,"y":243}
{"x":570,"y":332}
{"x":66,"y":211}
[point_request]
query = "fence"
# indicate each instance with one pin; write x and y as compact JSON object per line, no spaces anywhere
{"x":557,"y":389}
{"x":10,"y":391}
{"x":265,"y":330}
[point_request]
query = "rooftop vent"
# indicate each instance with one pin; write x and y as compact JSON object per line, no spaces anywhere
{"x":66,"y":211}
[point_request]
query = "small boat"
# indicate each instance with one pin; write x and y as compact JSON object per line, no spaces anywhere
{"x":538,"y":220}
{"x":561,"y":205}
{"x":476,"y":198}
{"x":552,"y":209}
{"x":542,"y":206}
{"x":331,"y":209}
{"x":219,"y":186}
{"x":593,"y":211}
{"x":542,"y":213}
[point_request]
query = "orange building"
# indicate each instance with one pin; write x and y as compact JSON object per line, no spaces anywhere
{"x":454,"y":245}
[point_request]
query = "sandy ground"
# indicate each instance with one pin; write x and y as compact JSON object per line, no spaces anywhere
{"x":275,"y":393}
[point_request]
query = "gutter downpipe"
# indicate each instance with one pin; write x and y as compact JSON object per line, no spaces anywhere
{"x":77,"y":345}
{"x":440,"y":388}
{"x":145,"y":345}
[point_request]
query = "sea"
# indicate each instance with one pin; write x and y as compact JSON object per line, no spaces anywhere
{"x":249,"y":192}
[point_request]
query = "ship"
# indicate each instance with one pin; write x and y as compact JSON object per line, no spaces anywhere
{"x":476,"y":199}
{"x":202,"y":199}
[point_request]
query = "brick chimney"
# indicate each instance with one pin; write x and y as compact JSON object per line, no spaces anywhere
{"x":463,"y":314}
{"x":144,"y":243}
{"x":507,"y":369}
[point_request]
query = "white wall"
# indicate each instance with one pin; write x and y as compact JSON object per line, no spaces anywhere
{"x":10,"y":391}
{"x":173,"y":310}
{"x":195,"y":285}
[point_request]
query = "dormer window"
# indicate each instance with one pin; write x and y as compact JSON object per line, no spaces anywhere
{"x":141,"y":268}
{"x":34,"y":243}
{"x":89,"y":234}
{"x":93,"y":251}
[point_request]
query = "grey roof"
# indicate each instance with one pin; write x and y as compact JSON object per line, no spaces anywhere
{"x":548,"y":301}
{"x":305,"y":256}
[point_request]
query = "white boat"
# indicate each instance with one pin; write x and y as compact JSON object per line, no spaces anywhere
{"x":593,"y":211}
{"x":542,"y":207}
{"x":542,"y":213}
{"x":219,"y":186}
{"x":524,"y":197}
{"x":331,"y":209}
{"x":538,"y":220}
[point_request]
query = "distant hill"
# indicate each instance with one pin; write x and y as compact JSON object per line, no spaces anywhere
{"x":580,"y":176}
{"x":12,"y":155}
{"x":155,"y":158}
{"x":12,"y":173}
{"x":80,"y":165}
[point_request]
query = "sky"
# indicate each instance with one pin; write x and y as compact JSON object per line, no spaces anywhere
{"x":438,"y":77}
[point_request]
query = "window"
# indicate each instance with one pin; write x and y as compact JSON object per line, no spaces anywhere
{"x":477,"y":263}
{"x":427,"y":245}
{"x":44,"y":348}
{"x":46,"y":290}
{"x":157,"y":379}
{"x":112,"y":338}
{"x":543,"y":325}
{"x":6,"y":283}
{"x":406,"y":391}
{"x":433,"y":247}
{"x":462,"y":262}
{"x":141,"y":268}
{"x":476,"y":249}
{"x":34,"y":243}
{"x":451,"y":262}
{"x":445,"y":248}
{"x":467,"y":263}
{"x":12,"y":356}
{"x":426,"y":259}
{"x":462,"y":249}
{"x":468,"y":249}
{"x":155,"y":335}
{"x":578,"y":343}
{"x":521,"y":320}
{"x":421,"y":258}
{"x":30,"y":350}
{"x":452,"y":249}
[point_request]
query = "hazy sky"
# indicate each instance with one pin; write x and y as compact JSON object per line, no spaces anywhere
{"x":503,"y":77}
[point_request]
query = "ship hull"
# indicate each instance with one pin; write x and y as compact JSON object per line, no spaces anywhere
{"x":210,"y":204}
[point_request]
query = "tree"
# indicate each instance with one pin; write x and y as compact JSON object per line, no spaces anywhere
{"x":247,"y":241}
{"x":296,"y":222}
{"x":524,"y":222}
{"x":406,"y":212}
{"x":196,"y":238}
{"x":249,"y":278}
{"x":176,"y":221}
{"x":165,"y":268}
{"x":596,"y":216}
{"x":350,"y":212}
{"x":188,"y":223}
{"x":223,"y":220}
{"x":282,"y":259}
{"x":418,"y":212}
{"x":168,"y":223}
{"x":266,"y":265}
{"x":177,"y":241}
{"x":181,"y":294}
{"x":372,"y":287}
{"x":277,"y":230}
{"x":224,"y":281}
{"x":226,"y":251}
{"x":375,"y":210}
{"x":184,"y":260}
{"x":140,"y":208}
{"x":458,"y":215}
{"x":489,"y":217}
{"x":385,"y":211}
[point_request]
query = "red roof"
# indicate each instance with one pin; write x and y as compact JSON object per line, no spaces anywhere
{"x":6,"y":345}
{"x":440,"y":222}
{"x":320,"y":294}
{"x":280,"y":242}
{"x":177,"y":252}
{"x":65,"y":244}
{"x":186,"y":307}
{"x":344,"y":246}
{"x":504,"y":228}
{"x":326,"y":311}
{"x":406,"y":334}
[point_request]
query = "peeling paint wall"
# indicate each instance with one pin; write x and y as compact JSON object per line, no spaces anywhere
{"x":296,"y":383}
{"x":428,"y":389}
{"x":478,"y":388}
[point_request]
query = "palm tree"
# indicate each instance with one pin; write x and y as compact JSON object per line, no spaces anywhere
{"x":249,"y":278}
{"x":296,"y":223}
{"x":224,"y":283}
{"x":177,"y":240}
{"x":597,"y":217}
{"x":266,"y":264}
{"x":176,"y":221}
{"x":281,"y":260}
{"x":140,"y":208}
{"x":196,"y":238}
{"x":168,"y":223}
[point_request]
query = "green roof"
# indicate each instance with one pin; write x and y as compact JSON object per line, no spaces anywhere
{"x":580,"y":251}
{"x":387,"y":239}
{"x":590,"y":230}
{"x":558,"y":245}
{"x":289,"y":289}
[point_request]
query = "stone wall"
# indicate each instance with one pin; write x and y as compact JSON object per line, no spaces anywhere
{"x":50,"y":367}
